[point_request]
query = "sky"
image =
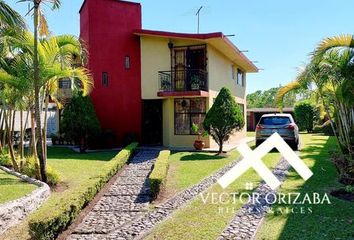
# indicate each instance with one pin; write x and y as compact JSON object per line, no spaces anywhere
{"x":278,"y":34}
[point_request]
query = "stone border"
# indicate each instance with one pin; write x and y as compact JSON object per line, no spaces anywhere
{"x":14,"y":211}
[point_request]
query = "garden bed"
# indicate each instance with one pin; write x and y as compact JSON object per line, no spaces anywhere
{"x":83,"y":175}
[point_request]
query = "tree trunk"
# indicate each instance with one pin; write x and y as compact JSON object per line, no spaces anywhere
{"x":21,"y":145}
{"x":45,"y":124}
{"x":41,"y":156}
{"x":9,"y":138}
{"x":33,"y":137}
{"x":1,"y":127}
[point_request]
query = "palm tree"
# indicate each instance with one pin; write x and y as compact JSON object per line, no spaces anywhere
{"x":331,"y":70}
{"x":56,"y":61}
{"x":39,"y":27}
{"x":9,"y":17}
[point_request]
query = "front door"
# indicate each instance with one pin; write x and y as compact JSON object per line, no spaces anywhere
{"x":152,"y":122}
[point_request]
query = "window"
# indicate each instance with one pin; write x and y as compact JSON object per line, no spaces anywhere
{"x":105,"y":79}
{"x":127,"y":62}
{"x":233,"y":69}
{"x":188,"y":112}
{"x":240,"y":77}
{"x":65,"y":83}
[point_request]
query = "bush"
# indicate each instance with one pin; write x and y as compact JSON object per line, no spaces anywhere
{"x":5,"y":160}
{"x":223,"y":118}
{"x":159,"y":173}
{"x":53,"y":176}
{"x":79,"y":121}
{"x":31,"y":168}
{"x":305,"y":114}
{"x":47,"y":226}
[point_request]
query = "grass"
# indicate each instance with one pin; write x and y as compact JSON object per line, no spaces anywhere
{"x":78,"y":172}
{"x":12,"y":187}
{"x":333,"y":221}
{"x":206,"y":220}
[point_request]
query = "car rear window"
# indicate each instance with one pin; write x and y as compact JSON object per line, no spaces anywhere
{"x":275,"y":120}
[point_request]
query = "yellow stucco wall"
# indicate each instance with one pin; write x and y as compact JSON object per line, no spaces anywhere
{"x":155,"y":57}
{"x":220,"y":74}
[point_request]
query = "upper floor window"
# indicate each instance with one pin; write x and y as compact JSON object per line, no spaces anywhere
{"x":65,"y":83}
{"x":105,"y":79}
{"x":240,"y":77}
{"x":233,"y":72}
{"x":127,"y":62}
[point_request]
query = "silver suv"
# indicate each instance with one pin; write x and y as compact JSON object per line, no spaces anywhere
{"x":283,"y":124}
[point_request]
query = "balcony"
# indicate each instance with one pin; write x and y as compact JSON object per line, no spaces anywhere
{"x":191,"y":82}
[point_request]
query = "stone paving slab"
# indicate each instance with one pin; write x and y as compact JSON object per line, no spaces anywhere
{"x":247,"y":220}
{"x":121,"y":190}
{"x":123,"y":203}
{"x":104,"y":222}
{"x":144,"y":224}
{"x":130,"y":180}
{"x":125,"y":200}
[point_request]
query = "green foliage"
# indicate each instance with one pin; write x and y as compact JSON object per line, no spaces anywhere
{"x":223,"y":118}
{"x":305,"y":114}
{"x":5,"y":160}
{"x":262,"y":99}
{"x":159,"y":173}
{"x":79,"y":121}
{"x":44,"y":226}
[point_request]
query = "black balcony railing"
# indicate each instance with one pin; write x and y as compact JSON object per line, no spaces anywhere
{"x":183,"y":80}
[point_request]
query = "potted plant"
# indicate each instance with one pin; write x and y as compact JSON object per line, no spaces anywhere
{"x":195,"y":82}
{"x":199,"y":144}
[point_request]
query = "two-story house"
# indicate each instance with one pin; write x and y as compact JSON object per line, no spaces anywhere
{"x":153,"y":83}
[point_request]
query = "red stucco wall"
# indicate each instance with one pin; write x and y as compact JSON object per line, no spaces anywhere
{"x":107,"y":28}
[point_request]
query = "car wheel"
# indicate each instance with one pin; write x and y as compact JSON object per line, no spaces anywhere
{"x":295,"y":145}
{"x":258,"y":142}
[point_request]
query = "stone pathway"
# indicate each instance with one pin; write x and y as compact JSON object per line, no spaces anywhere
{"x":247,"y":220}
{"x":126,"y":200}
{"x":142,"y":226}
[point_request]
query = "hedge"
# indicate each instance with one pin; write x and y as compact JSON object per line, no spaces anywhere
{"x":159,"y":173}
{"x":44,"y":225}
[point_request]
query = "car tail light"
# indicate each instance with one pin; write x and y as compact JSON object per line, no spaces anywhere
{"x":259,"y":127}
{"x":291,"y":126}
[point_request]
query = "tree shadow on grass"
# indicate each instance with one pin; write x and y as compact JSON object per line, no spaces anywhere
{"x":325,"y":221}
{"x":200,"y":157}
{"x":8,"y":181}
{"x":67,"y":153}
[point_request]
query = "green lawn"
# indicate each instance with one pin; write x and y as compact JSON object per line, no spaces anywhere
{"x":335,"y":221}
{"x":12,"y":187}
{"x":78,"y":171}
{"x":199,"y":220}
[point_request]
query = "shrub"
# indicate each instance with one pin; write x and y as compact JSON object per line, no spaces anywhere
{"x":305,"y":114}
{"x":30,"y":167}
{"x":45,"y":226}
{"x":53,"y":176}
{"x":79,"y":121}
{"x":5,"y":160}
{"x":223,"y":118}
{"x":159,"y":173}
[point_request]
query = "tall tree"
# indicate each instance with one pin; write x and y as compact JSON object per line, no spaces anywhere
{"x":40,"y":26}
{"x":223,"y":118}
